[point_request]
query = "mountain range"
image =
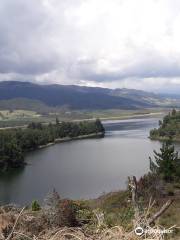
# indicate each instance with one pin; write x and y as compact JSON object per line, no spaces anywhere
{"x":16,"y":95}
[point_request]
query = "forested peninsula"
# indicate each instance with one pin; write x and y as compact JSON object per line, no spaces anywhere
{"x":169,"y":128}
{"x":14,"y":143}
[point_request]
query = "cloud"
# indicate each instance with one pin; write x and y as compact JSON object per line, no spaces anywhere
{"x":24,"y":39}
{"x":107,"y":43}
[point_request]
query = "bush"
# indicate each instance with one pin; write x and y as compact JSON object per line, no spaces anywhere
{"x":35,"y":206}
{"x":66,"y":214}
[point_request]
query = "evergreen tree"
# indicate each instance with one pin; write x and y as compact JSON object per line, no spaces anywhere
{"x":100,"y":127}
{"x":57,"y":121}
{"x":167,"y":162}
{"x":173,"y":112}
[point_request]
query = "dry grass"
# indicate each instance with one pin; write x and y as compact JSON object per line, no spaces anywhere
{"x":100,"y":233}
{"x":25,"y":224}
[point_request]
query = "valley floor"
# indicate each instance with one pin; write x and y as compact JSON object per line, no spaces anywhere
{"x":21,"y":118}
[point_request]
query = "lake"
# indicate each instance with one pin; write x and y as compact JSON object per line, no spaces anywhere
{"x":84,"y":168}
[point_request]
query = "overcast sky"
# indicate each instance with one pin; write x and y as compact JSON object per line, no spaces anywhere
{"x":107,"y":43}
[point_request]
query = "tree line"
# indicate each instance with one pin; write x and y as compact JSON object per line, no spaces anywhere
{"x":169,"y":127}
{"x":14,"y":143}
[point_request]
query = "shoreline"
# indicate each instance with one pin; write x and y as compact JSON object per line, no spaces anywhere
{"x":68,"y":139}
{"x":123,"y":117}
{"x":56,"y":141}
{"x":126,"y":117}
{"x":162,"y":139}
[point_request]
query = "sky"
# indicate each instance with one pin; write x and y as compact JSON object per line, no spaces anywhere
{"x":104,"y":43}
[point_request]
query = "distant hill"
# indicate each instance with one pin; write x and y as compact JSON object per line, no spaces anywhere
{"x":160,"y":100}
{"x":28,"y":95}
{"x":27,"y":104}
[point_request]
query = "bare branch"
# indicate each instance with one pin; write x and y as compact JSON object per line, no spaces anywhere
{"x":133,"y":187}
{"x":161,"y":211}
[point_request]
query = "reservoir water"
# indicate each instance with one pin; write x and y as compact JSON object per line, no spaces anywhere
{"x":84,"y":168}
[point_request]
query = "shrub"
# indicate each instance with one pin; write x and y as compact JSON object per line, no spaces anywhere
{"x":64,"y":214}
{"x":35,"y":206}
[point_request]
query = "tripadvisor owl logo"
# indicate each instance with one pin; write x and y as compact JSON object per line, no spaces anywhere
{"x":139,"y":231}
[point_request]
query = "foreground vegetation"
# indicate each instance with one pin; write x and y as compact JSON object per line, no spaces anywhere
{"x":14,"y":143}
{"x":169,"y":127}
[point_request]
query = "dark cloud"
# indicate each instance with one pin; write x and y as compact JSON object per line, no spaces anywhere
{"x":93,"y":41}
{"x":24,"y":27}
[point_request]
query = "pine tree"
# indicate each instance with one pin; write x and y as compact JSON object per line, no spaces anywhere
{"x":173,"y":113}
{"x":167,"y":162}
{"x":57,"y":121}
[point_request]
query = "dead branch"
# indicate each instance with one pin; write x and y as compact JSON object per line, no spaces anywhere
{"x":133,"y":187}
{"x":161,"y":211}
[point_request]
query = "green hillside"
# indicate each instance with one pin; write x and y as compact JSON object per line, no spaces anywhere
{"x":169,"y":127}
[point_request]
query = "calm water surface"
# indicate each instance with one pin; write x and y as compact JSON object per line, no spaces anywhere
{"x":84,"y":168}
